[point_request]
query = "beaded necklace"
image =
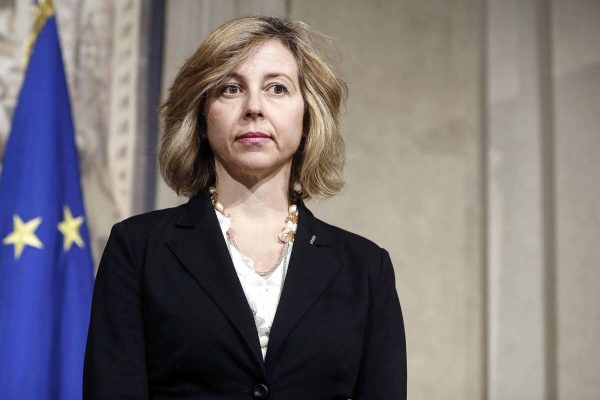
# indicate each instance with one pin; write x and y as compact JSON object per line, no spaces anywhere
{"x":286,"y":235}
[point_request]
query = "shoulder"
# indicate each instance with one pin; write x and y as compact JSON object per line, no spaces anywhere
{"x":350,"y":244}
{"x":138,"y":235}
{"x":150,"y":223}
{"x":352,"y":239}
{"x":146,"y":228}
{"x":362,"y":259}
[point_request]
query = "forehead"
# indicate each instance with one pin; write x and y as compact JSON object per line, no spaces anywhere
{"x":268,"y":58}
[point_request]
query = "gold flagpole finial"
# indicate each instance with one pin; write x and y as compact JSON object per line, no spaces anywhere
{"x":43,"y":10}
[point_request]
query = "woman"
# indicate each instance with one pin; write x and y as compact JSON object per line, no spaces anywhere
{"x":242,"y":293}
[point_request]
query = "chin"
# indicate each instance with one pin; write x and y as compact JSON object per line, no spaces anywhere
{"x":258,"y":166}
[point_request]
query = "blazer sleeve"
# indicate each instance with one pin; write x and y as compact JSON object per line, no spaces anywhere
{"x":115,"y":365}
{"x":382,"y":373}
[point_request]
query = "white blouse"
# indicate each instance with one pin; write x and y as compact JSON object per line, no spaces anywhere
{"x":262,"y":294}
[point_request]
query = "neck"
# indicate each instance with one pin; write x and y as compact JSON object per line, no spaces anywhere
{"x":252,"y":196}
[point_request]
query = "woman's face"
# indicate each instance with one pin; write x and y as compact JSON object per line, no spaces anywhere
{"x":254,"y":121}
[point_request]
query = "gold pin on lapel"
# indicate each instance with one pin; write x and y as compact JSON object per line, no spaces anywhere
{"x":312,"y":239}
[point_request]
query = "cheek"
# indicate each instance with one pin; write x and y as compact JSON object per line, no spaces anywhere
{"x":296,"y":118}
{"x":216,"y":122}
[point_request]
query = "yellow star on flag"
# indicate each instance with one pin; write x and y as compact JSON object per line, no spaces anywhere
{"x":69,"y":227}
{"x":23,"y":234}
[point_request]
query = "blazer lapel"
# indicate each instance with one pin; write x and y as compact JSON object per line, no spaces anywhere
{"x":198,"y":244}
{"x":312,"y":267}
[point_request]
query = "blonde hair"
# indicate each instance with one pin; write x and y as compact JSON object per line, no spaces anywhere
{"x":186,"y":160}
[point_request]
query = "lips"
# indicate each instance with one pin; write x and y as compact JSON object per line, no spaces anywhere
{"x":253,"y":138}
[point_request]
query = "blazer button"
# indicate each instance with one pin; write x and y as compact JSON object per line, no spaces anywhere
{"x":261,"y":391}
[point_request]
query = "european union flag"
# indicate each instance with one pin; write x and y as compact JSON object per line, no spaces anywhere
{"x":46,"y":270}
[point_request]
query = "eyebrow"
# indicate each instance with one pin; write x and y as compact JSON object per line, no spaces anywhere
{"x":266,"y":76}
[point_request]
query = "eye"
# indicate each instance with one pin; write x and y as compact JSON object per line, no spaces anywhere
{"x":230,"y":90}
{"x":277,"y":89}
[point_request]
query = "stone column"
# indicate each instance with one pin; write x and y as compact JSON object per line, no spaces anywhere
{"x":576,"y":107}
{"x":517,"y":262}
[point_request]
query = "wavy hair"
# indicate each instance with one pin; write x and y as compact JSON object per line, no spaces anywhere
{"x":186,"y":159}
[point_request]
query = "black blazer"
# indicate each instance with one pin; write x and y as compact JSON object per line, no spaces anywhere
{"x":170,"y":319}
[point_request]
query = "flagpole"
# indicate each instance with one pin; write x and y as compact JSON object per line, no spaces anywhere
{"x":44,"y":9}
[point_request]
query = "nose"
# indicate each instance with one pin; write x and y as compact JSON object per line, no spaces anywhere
{"x":254,"y":106}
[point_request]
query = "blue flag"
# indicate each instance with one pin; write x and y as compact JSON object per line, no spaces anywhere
{"x":46,"y":270}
